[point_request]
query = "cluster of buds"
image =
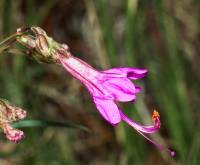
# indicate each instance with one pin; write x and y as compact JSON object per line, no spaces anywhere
{"x":8,"y":115}
{"x":42,"y":47}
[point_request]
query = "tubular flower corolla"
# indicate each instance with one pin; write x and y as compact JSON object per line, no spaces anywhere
{"x":109,"y":86}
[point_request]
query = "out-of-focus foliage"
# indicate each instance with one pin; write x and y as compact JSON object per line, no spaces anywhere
{"x":162,"y":36}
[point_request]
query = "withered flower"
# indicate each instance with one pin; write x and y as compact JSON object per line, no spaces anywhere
{"x":8,"y":115}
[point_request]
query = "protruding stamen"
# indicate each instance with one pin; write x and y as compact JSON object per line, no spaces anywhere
{"x":156,"y":119}
{"x":139,"y":127}
{"x":148,"y":129}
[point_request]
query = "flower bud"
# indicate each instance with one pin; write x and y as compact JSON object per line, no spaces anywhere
{"x":42,"y":47}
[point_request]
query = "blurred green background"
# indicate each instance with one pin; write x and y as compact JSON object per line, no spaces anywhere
{"x":160,"y":35}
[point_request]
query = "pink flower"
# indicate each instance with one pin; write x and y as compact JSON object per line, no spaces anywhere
{"x":9,"y":114}
{"x":107,"y":87}
{"x":12,"y":134}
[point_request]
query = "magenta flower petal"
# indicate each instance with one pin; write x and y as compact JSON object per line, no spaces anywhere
{"x":98,"y":92}
{"x":132,"y":73}
{"x":122,"y":89}
{"x":108,"y":109}
{"x":141,"y":128}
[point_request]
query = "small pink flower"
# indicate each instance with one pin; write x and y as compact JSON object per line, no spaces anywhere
{"x":9,"y":114}
{"x":12,"y":134}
